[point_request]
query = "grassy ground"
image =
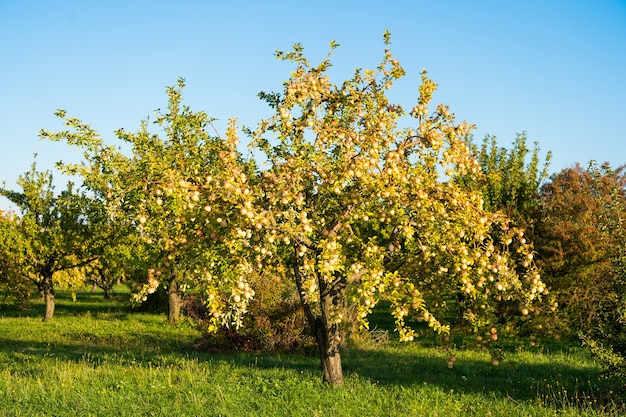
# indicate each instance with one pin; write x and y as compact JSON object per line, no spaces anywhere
{"x":99,"y":359}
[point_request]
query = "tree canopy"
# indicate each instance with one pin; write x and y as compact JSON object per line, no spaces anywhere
{"x":53,"y":233}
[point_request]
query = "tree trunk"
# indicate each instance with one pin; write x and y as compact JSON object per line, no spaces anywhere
{"x":327,"y":334}
{"x":174,"y":302}
{"x":47,"y":291}
{"x":94,"y":286}
{"x":328,"y":340}
{"x":107,"y":292}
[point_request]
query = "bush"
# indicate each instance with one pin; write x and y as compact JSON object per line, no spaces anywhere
{"x":275,"y":321}
{"x":278,"y":327}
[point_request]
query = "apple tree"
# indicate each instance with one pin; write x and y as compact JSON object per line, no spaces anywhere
{"x":54,"y":231}
{"x":13,"y":283}
{"x":173,"y":188}
{"x":361,"y":210}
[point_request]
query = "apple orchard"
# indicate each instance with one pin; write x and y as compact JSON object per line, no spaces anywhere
{"x":344,"y":204}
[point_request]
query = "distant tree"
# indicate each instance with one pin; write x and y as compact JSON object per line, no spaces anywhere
{"x":607,"y":337}
{"x":174,"y":189}
{"x":53,"y":231}
{"x":510,"y":184}
{"x":13,"y":281}
{"x":574,"y":250}
{"x":122,"y":252}
{"x":512,"y":179}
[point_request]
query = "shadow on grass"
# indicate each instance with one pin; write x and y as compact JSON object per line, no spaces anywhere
{"x":125,"y":338}
{"x":510,"y":379}
{"x":554,"y":385}
{"x":86,"y":302}
{"x":142,"y":350}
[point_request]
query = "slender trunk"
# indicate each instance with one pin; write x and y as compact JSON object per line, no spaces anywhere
{"x":174,"y":302}
{"x":94,"y":286}
{"x":327,"y":334}
{"x":49,"y":314}
{"x":328,"y":340}
{"x":47,"y":291}
{"x":107,"y":292}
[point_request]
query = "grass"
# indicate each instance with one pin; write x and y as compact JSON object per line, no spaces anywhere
{"x":97,"y":358}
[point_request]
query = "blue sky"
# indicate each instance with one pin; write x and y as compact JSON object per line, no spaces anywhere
{"x":555,"y":69}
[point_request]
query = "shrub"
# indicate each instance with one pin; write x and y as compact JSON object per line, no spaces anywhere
{"x":277,"y":327}
{"x":275,"y":321}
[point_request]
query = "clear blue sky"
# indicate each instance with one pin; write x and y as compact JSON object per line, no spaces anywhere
{"x":556,"y":69}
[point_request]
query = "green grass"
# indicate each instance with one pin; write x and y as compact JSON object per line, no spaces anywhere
{"x":97,"y":358}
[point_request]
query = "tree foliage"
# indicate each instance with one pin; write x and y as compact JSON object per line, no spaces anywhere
{"x":607,"y":336}
{"x":512,"y":178}
{"x":174,"y":189}
{"x":573,"y":249}
{"x":582,"y":246}
{"x":13,"y":283}
{"x":52,"y":234}
{"x":363,"y":210}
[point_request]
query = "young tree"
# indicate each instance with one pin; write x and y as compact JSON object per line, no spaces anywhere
{"x":54,"y":231}
{"x":364,"y":210}
{"x":13,"y":282}
{"x":175,"y":191}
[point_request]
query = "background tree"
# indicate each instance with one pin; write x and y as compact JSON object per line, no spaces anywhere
{"x":174,"y":190}
{"x":573,"y":249}
{"x":54,"y":231}
{"x":119,"y":259}
{"x":512,"y":179}
{"x":13,"y":282}
{"x":607,"y":337}
{"x":510,"y":184}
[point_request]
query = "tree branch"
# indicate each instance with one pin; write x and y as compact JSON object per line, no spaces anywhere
{"x":306,"y":306}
